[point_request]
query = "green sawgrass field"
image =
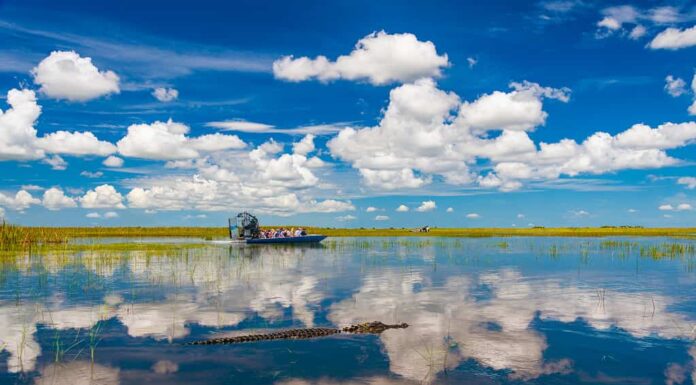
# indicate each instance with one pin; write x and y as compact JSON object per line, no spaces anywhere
{"x":20,"y":237}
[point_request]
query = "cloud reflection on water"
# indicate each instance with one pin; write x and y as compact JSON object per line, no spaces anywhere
{"x":467,"y":314}
{"x":449,"y":326}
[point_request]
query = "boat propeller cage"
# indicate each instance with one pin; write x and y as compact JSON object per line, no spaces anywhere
{"x":246,"y":226}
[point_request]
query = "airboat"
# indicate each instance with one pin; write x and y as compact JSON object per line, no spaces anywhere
{"x":245,"y":227}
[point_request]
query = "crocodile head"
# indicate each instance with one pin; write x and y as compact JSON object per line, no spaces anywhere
{"x":375,"y":327}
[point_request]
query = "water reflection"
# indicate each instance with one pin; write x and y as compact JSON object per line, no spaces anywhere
{"x":479,"y":313}
{"x":77,"y":373}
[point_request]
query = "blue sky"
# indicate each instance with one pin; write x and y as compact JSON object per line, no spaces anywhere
{"x":549,"y":113}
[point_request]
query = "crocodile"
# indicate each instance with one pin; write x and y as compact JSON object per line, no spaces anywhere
{"x":375,"y":327}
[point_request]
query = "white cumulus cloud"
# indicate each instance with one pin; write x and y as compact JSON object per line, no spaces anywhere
{"x":264,"y":178}
{"x":520,"y":109}
{"x":104,"y":196}
{"x":66,"y":75}
{"x":168,"y":141}
{"x":426,"y":131}
{"x":75,"y":143}
{"x":381,"y":218}
{"x":17,"y":132}
{"x":55,"y":199}
{"x":20,"y":201}
{"x":674,"y":38}
{"x":19,"y":140}
{"x":473,"y":216}
{"x":379,"y":58}
{"x":402,"y":208}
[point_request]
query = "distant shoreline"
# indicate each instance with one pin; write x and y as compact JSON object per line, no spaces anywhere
{"x":222,"y":232}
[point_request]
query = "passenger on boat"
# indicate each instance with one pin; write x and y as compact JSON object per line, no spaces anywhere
{"x":282,"y":233}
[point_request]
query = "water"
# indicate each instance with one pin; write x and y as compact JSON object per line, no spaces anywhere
{"x":481,"y":311}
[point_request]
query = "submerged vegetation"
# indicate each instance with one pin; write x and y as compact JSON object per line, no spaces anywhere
{"x":14,"y":237}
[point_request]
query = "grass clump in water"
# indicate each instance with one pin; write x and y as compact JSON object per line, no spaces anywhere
{"x":14,"y":237}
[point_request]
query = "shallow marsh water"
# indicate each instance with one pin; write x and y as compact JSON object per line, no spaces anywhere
{"x":481,"y":311}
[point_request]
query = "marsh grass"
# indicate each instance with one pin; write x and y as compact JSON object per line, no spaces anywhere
{"x":14,"y":237}
{"x":668,"y":250}
{"x":17,"y":237}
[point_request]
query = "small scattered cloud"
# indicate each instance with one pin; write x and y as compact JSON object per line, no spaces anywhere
{"x":263,"y":128}
{"x":632,"y":211}
{"x":56,"y":162}
{"x":688,"y":181}
{"x":346,"y":218}
{"x":678,"y":207}
{"x":609,"y":23}
{"x":473,"y":216}
{"x":381,"y":218}
{"x":637,"y":32}
{"x":31,"y":187}
{"x":371,"y":209}
{"x":520,"y":216}
{"x":113,"y":161}
{"x":561,"y":6}
{"x":579,"y":213}
{"x":634,"y":23}
{"x":675,"y":86}
{"x":556,"y":11}
{"x":471,"y":61}
{"x":165,"y":95}
{"x":241,"y":126}
{"x":106,"y":215}
{"x":90,"y":174}
{"x":450,"y":210}
{"x":426,"y":206}
{"x":402,"y":208}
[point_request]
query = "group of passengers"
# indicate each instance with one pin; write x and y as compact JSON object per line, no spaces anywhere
{"x":282,"y":233}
